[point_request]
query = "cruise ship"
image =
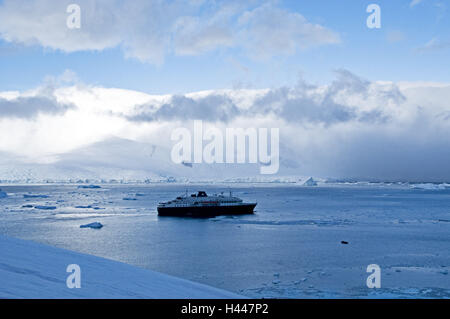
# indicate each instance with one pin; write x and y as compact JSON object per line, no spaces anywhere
{"x":202,"y":205}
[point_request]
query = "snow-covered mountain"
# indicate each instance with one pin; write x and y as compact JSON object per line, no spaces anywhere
{"x":118,"y":159}
{"x":350,"y":129}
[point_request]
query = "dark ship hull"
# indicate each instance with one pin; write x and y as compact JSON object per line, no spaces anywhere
{"x":207,"y":211}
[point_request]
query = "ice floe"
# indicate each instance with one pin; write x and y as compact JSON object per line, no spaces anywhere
{"x":430,"y":186}
{"x":95,"y":225}
{"x":34,"y":196}
{"x":44,"y":207}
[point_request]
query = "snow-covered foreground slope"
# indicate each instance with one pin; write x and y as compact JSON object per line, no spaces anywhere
{"x":32,"y":270}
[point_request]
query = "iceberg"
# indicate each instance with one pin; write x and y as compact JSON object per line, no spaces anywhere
{"x":310,"y":182}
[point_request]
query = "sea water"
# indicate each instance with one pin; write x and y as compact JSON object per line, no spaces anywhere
{"x":292,"y":247}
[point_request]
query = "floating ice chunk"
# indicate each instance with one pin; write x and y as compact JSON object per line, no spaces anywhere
{"x":45,"y":207}
{"x":34,"y":196}
{"x":89,"y":186}
{"x":3,"y":194}
{"x":310,"y":182}
{"x":83,"y":206}
{"x":95,"y":225}
{"x":429,"y":186}
{"x":188,"y":164}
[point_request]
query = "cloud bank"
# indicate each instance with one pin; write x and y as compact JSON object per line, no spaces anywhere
{"x":29,"y":107}
{"x":151,"y":30}
{"x":351,"y":128}
{"x":347,"y":99}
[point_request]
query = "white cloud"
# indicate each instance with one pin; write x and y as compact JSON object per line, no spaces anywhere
{"x":191,"y":37}
{"x":150,"y":30}
{"x":414,"y":3}
{"x":395,"y":36}
{"x":350,"y":128}
{"x":268,"y":30}
{"x":43,"y":22}
{"x":433,"y":45}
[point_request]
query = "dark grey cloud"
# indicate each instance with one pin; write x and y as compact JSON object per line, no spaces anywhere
{"x":209,"y":108}
{"x":299,"y":104}
{"x":30,"y":107}
{"x":300,"y":108}
{"x":305,"y":103}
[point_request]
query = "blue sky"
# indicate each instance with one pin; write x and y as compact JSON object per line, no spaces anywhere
{"x":350,"y":102}
{"x":390,"y":53}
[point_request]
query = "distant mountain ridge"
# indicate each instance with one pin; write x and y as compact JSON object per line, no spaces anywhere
{"x":118,"y":159}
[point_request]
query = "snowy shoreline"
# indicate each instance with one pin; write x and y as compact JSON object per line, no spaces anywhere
{"x":33,"y":270}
